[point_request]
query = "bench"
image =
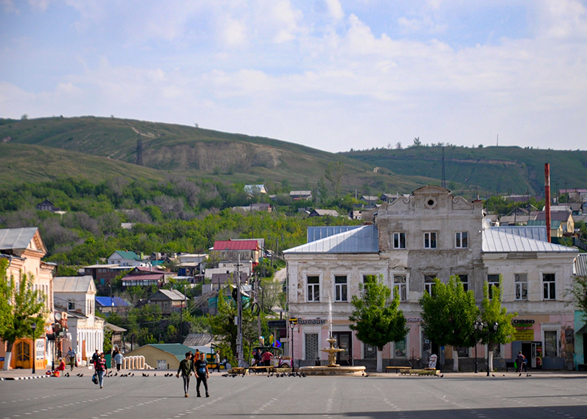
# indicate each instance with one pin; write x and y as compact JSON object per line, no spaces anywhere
{"x":238,"y":371}
{"x":396,"y":369}
{"x":425,"y":371}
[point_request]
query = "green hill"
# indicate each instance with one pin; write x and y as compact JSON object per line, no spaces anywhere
{"x":494,"y":169}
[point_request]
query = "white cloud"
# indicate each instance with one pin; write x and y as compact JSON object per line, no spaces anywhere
{"x":335,"y":9}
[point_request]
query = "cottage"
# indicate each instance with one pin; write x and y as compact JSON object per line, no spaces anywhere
{"x":170,"y":301}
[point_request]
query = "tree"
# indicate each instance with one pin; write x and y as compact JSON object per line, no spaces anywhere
{"x":417,"y":142}
{"x":333,"y":173}
{"x":449,"y":315}
{"x":376,"y":318}
{"x":20,"y":307}
{"x":579,"y":292}
{"x":322,"y":190}
{"x":493,"y":312}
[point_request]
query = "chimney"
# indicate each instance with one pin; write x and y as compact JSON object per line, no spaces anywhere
{"x":547,"y":198}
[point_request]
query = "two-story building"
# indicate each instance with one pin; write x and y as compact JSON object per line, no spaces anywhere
{"x":415,"y":239}
{"x":77,"y":296}
{"x":23,"y":249}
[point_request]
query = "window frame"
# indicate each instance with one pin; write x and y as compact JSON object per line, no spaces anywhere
{"x":429,"y":285}
{"x":397,"y":236}
{"x":465,"y":283}
{"x":428,"y":241}
{"x":519,"y":285}
{"x":401,"y":286}
{"x":461,"y":240}
{"x":343,"y":287}
{"x":551,"y":294}
{"x":492,"y":283}
{"x":310,"y":296}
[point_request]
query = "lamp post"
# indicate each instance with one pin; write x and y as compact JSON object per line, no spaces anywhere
{"x":478,"y":327}
{"x":490,"y":330}
{"x":34,"y":327}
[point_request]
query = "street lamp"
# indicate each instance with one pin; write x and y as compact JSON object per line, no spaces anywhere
{"x":490,"y":330}
{"x":34,"y":327}
{"x":478,"y":328}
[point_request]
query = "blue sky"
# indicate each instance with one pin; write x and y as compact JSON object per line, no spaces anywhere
{"x":329,"y":74}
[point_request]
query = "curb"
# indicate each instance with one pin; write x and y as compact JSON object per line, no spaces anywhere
{"x":24,"y":378}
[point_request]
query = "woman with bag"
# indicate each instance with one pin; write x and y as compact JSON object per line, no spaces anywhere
{"x":100,"y":368}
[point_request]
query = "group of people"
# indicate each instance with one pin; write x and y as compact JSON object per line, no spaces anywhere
{"x":199,"y":366}
{"x":521,"y":363}
{"x":262,"y":359}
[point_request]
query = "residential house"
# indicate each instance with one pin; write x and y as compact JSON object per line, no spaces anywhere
{"x":77,"y":296}
{"x":47,"y":205}
{"x":170,"y":301}
{"x":124,"y":258}
{"x":431,"y":234}
{"x":388,"y":197}
{"x":300,"y":195}
{"x":108,"y":305}
{"x":518,"y":216}
{"x":370,"y":200}
{"x":117,"y":337}
{"x":103,"y":274}
{"x":231,"y":250}
{"x":575,"y":194}
{"x":145,"y":277}
{"x":561,"y":223}
{"x":23,"y":248}
{"x":323,"y":213}
{"x":162,"y":356}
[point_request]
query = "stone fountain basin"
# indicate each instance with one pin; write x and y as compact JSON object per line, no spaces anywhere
{"x":332,"y":370}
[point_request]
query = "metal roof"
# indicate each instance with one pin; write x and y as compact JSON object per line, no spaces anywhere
{"x":16,"y":238}
{"x":111,"y":302}
{"x":81,"y":284}
{"x":536,"y":232}
{"x":317,"y":233}
{"x":364,"y":239}
{"x":236,"y":245}
{"x":498,"y":242}
{"x":580,"y":267}
{"x":176,"y":349}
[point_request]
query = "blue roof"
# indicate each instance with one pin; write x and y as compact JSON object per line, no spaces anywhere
{"x":111,"y":302}
{"x":363,"y":239}
{"x":317,"y":233}
{"x":536,"y":232}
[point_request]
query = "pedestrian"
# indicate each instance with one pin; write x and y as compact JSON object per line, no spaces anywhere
{"x":72,"y":358}
{"x":202,"y":374}
{"x":118,"y":359}
{"x":217,"y":360}
{"x":186,"y":366}
{"x":519,"y":362}
{"x":61,"y":367}
{"x":100,"y":368}
{"x":266,"y":357}
{"x":95,"y":356}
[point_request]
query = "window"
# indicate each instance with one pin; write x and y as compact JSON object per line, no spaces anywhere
{"x":429,"y":240}
{"x":399,"y":240}
{"x":461,"y":240}
{"x":369,"y":352}
{"x":70,"y":305}
{"x":465,"y":281}
{"x":311,"y":346}
{"x":400,"y":349}
{"x":521,"y":286}
{"x":429,"y":283}
{"x":340,"y":288}
{"x":550,"y":346}
{"x":313,"y":288}
{"x":463,"y":352}
{"x":492,"y":281}
{"x":399,"y":283}
{"x":549,"y":286}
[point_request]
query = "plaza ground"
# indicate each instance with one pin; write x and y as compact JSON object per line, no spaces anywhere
{"x":456,"y":395}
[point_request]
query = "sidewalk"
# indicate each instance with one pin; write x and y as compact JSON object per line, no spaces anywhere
{"x":21,"y":374}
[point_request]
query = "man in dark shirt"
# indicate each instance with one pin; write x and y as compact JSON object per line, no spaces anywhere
{"x":186,"y":367}
{"x":202,"y":374}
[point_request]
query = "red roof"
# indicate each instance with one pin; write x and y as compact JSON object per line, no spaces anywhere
{"x":236,"y":245}
{"x":144,"y":277}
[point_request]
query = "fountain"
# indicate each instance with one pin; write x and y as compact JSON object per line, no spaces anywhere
{"x":332,"y":368}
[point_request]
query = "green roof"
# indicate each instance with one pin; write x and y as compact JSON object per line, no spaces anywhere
{"x":128,"y":254}
{"x":176,"y":349}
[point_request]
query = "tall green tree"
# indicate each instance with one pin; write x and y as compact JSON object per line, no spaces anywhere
{"x":333,"y":173}
{"x":449,"y":315}
{"x":493,"y":312}
{"x":20,"y":307}
{"x":376,"y":317}
{"x":579,"y":292}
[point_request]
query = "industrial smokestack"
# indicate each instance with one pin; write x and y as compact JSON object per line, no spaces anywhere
{"x":547,"y":198}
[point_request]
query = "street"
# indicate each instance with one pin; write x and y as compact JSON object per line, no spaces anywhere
{"x":379,"y":396}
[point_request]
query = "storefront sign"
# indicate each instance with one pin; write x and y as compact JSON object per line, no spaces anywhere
{"x":317,"y":320}
{"x":523,"y":322}
{"x":524,"y":334}
{"x":40,"y":349}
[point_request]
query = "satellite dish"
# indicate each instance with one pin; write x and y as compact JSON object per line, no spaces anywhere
{"x":57,"y":316}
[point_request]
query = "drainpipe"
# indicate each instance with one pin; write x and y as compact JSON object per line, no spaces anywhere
{"x":547,"y":198}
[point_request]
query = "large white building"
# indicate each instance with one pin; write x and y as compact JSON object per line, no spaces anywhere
{"x":413,"y":240}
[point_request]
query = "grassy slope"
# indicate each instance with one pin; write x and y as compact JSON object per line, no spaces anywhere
{"x":497,"y":169}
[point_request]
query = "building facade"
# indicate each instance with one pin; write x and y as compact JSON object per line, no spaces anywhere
{"x":415,"y":239}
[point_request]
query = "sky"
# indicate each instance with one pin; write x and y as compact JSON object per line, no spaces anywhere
{"x":330,"y":74}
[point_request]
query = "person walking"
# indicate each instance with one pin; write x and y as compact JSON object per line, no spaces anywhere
{"x":118,"y":359}
{"x":100,"y":368}
{"x":61,"y":367}
{"x":71,"y":357}
{"x":202,"y":374}
{"x":217,"y":360}
{"x":95,"y":356}
{"x":519,"y":362}
{"x":186,"y":366}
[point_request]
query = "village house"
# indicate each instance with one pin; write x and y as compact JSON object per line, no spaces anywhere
{"x":170,"y":301}
{"x":430,"y":234}
{"x":300,"y":195}
{"x":23,"y":248}
{"x":124,"y":258}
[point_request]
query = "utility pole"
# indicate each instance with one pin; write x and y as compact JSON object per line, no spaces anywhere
{"x":239,"y":316}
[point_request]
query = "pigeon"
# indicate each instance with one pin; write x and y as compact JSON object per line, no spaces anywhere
{"x":133,"y":374}
{"x":115,"y":374}
{"x":520,"y":375}
{"x":493,"y":375}
{"x":528,"y":375}
{"x":154,"y":374}
{"x":441,"y":375}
